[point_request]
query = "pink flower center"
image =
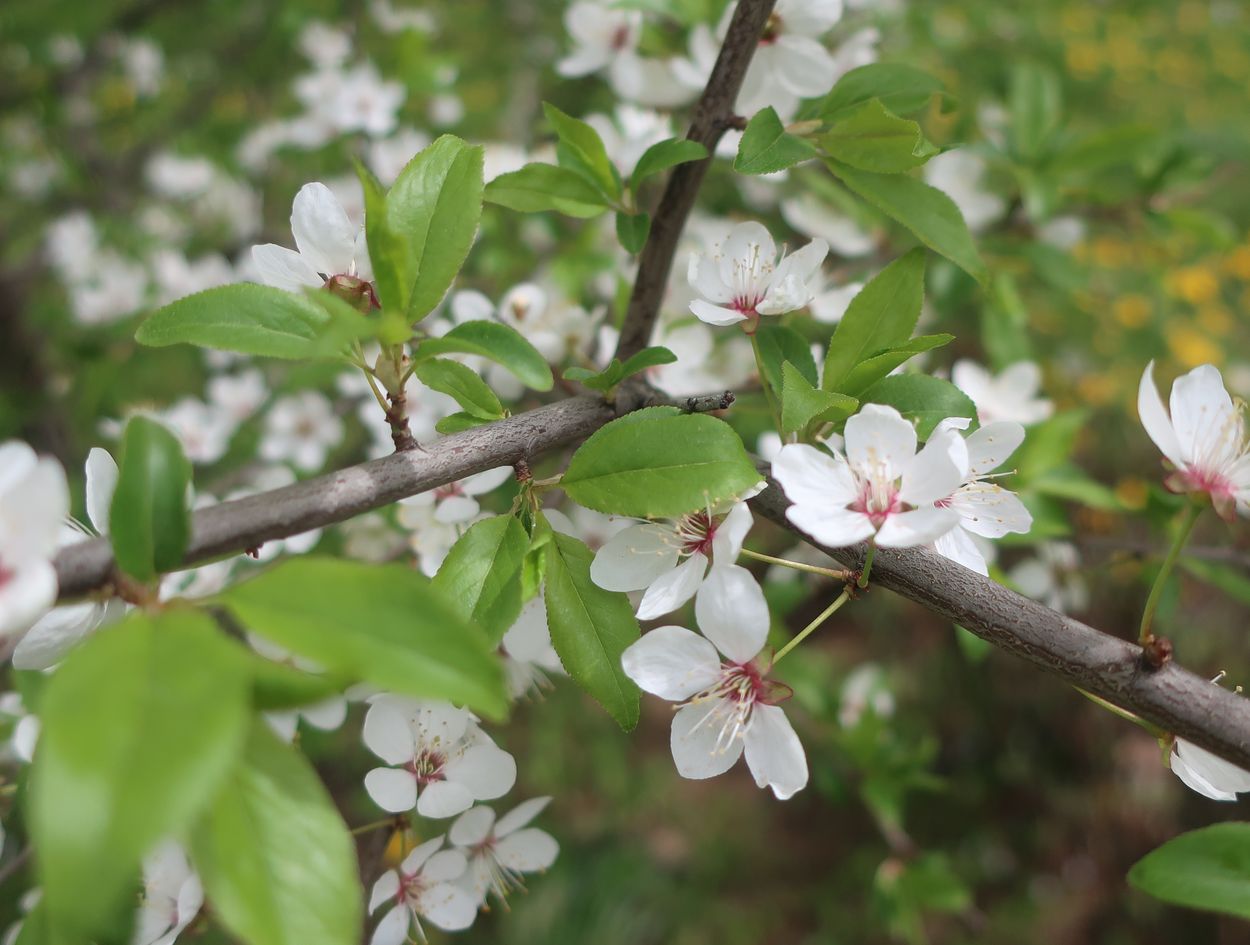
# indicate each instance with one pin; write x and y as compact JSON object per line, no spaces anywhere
{"x":734,"y":696}
{"x":696,"y":532}
{"x":410,"y":887}
{"x":878,"y":499}
{"x":427,"y":766}
{"x":620,"y":37}
{"x":448,"y":491}
{"x":6,"y":574}
{"x":772,"y":29}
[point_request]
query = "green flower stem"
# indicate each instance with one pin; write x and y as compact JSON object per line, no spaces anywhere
{"x":769,"y":393}
{"x":806,"y":631}
{"x":797,"y":565}
{"x":863,"y":575}
{"x":1123,"y":713}
{"x":1144,"y":636}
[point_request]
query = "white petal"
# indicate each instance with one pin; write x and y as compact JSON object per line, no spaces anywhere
{"x":392,"y":789}
{"x":384,"y":890}
{"x":693,"y":740}
{"x":749,"y":253}
{"x":456,"y":509}
{"x":26,"y":596}
{"x":704,"y":277}
{"x":715,"y":314}
{"x":485,"y":770}
{"x":1203,"y":416}
{"x":937,"y":470}
{"x":284,"y":268}
{"x":472,"y":827}
{"x":322,"y":231}
{"x":419,"y":854}
{"x":483,"y":482}
{"x":671,"y":590}
{"x":444,"y":799}
{"x":672,"y":663}
{"x":521,"y":815}
{"x":529,"y":638}
{"x":831,"y":527}
{"x":990,"y":446}
{"x":774,"y":753}
{"x":958,"y":546}
{"x":387,"y":730}
{"x":730,"y":534}
{"x":439,"y":724}
{"x":444,"y":866}
{"x":879,"y":440}
{"x":632,"y":559}
{"x":804,"y":66}
{"x":921,"y":526}
{"x":991,"y":511}
{"x":528,"y":850}
{"x":449,"y":907}
{"x":732,"y":612}
{"x":101,"y":481}
{"x":810,"y":476}
{"x":1215,"y":771}
{"x":393,"y":929}
{"x":55,"y":634}
{"x":1155,"y":419}
{"x":326,"y":715}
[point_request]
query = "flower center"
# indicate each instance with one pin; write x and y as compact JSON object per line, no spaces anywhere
{"x":696,"y":532}
{"x":772,"y":29}
{"x":733,"y":698}
{"x":448,"y":491}
{"x":878,"y":498}
{"x":620,"y":37}
{"x":427,"y":766}
{"x":750,"y":281}
{"x":6,"y":574}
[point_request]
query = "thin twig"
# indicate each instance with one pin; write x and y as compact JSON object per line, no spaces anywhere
{"x":712,"y":115}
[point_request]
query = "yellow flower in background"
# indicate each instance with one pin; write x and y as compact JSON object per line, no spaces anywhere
{"x":1110,"y":252}
{"x":1237,"y":263}
{"x":1132,"y":311}
{"x":1196,"y":284}
{"x":1216,"y":320}
{"x":1132,"y":492}
{"x":1085,"y":59}
{"x":1097,"y":390}
{"x":1191,"y":347}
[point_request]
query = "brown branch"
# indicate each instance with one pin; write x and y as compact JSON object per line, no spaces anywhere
{"x":1172,"y":698}
{"x":713,"y":114}
{"x":244,"y":524}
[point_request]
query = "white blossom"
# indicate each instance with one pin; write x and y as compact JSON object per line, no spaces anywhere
{"x":1203,"y":437}
{"x":986,"y":510}
{"x":34,"y":501}
{"x":959,"y":174}
{"x":879,"y":488}
{"x":57,"y":632}
{"x":728,"y":705}
{"x":1053,"y":577}
{"x":329,"y":245}
{"x":301,"y":429}
{"x":1206,"y":773}
{"x":742,"y":279}
{"x":171,"y":898}
{"x":529,"y":656}
{"x":500,"y":852}
{"x":790,"y":56}
{"x":811,"y":216}
{"x":422,"y":888}
{"x":456,"y":502}
{"x":441,"y":761}
{"x":693,"y":556}
{"x":1011,"y":395}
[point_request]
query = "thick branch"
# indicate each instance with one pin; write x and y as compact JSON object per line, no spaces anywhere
{"x":711,"y":117}
{"x":234,"y":527}
{"x":1172,"y":698}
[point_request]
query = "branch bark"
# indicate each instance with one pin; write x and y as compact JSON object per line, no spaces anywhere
{"x":1172,"y":698}
{"x":712,"y":116}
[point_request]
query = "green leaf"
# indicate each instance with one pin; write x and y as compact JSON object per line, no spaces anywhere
{"x":767,"y":147}
{"x":1035,"y":104}
{"x":662,"y":155}
{"x":590,"y":629}
{"x":1004,"y":323}
{"x":803,"y":403}
{"x":883,"y":315}
{"x":481,"y":575}
{"x":275,"y":857}
{"x":873,"y":368}
{"x":536,"y":188}
{"x":463,"y":385}
{"x":1069,"y":482}
{"x":902,"y":89}
{"x":245,"y":318}
{"x":1203,"y":869}
{"x":278,"y":686}
{"x":434,"y":207}
{"x":387,"y":252}
{"x":1232,"y":580}
{"x":632,"y":230}
{"x":1049,"y":444}
{"x":779,"y":344}
{"x":929,"y":214}
{"x":581,"y":149}
{"x":873,"y":138}
{"x":139,"y":727}
{"x":458,"y":422}
{"x":614,"y":373}
{"x":383,"y":624}
{"x":148,"y":519}
{"x":924,"y":400}
{"x":496,"y":342}
{"x":648,"y":464}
